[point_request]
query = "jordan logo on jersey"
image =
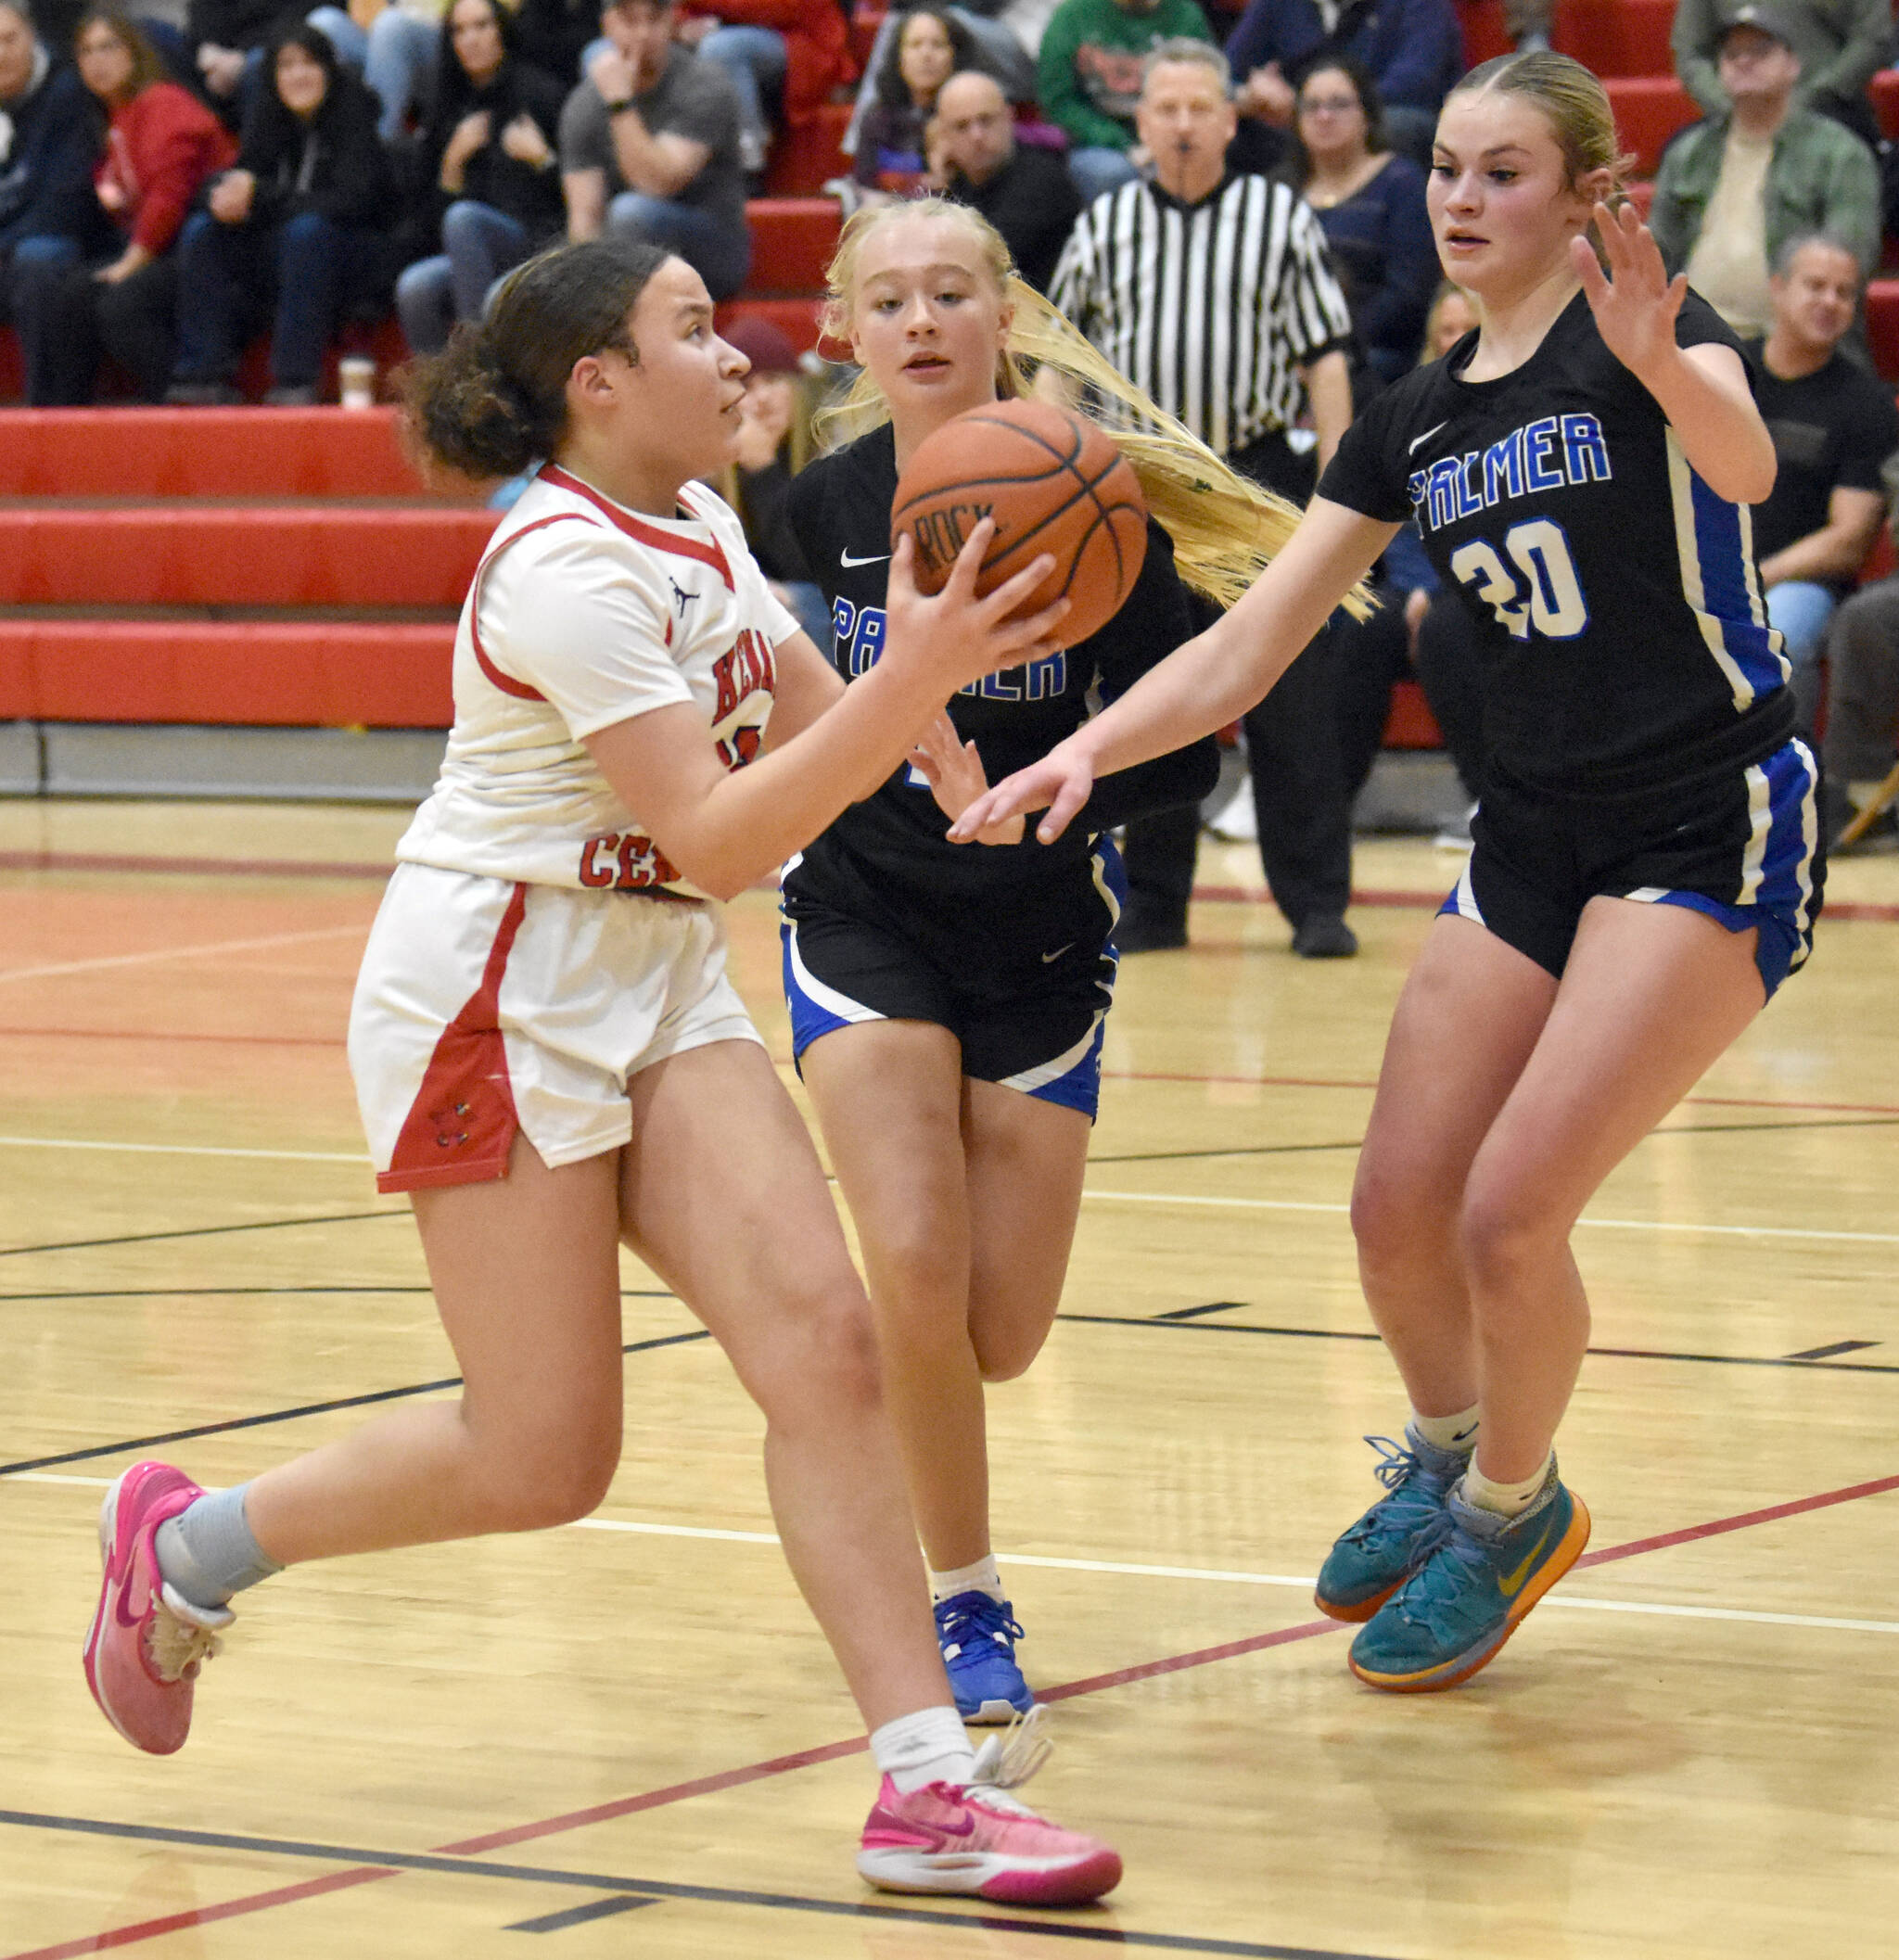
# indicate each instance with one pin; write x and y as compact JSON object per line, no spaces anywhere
{"x":680,"y":597}
{"x":1552,"y":453}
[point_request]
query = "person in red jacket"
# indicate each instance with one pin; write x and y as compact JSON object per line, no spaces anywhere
{"x":158,"y":146}
{"x":792,"y":48}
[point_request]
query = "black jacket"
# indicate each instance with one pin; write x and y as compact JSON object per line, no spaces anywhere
{"x":532,"y":198}
{"x":335,"y":164}
{"x":46,"y":170}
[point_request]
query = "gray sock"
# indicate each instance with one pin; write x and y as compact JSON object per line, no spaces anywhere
{"x":207,"y":1553}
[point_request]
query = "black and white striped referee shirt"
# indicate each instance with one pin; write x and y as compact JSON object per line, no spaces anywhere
{"x":1209,"y":307}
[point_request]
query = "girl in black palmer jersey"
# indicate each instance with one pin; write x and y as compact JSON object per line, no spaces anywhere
{"x":947,"y":1005}
{"x":1580,"y":469}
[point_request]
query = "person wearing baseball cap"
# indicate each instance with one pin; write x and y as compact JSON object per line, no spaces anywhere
{"x":1760,"y":169}
{"x":1839,"y":44}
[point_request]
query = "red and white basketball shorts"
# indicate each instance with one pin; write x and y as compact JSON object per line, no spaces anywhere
{"x":484,"y":1007}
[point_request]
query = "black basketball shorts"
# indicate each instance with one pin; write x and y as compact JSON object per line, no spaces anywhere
{"x":1028,"y":1016}
{"x":1740,"y":848}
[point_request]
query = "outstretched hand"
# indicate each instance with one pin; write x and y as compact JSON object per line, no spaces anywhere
{"x":954,"y":771}
{"x":1636,"y":302}
{"x":1058,"y":783}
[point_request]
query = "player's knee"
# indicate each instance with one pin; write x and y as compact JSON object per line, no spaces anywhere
{"x":919,"y":1277}
{"x":1501,"y":1236}
{"x":822,"y":1353}
{"x":1005,"y":1347}
{"x":1393,"y":1215}
{"x":541,"y":1479}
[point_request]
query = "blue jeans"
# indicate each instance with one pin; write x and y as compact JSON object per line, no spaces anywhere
{"x":1096,"y":170}
{"x":479,"y":245}
{"x":719,"y":257}
{"x":754,"y":57}
{"x":1801,"y":611}
{"x":400,"y":66}
{"x":227,"y":272}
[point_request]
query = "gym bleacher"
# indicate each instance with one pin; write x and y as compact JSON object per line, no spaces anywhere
{"x":264,"y":567}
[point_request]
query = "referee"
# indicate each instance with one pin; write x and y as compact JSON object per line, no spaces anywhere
{"x":1213,"y":293}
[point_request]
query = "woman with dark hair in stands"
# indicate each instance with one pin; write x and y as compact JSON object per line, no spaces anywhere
{"x":1370,"y":204}
{"x":159,"y":146}
{"x":292,"y":232}
{"x":929,"y":49}
{"x":490,"y":154}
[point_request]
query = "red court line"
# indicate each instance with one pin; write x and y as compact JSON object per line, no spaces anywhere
{"x":832,"y":1752}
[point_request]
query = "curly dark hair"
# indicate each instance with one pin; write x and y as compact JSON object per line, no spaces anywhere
{"x":893,"y":91}
{"x":495,"y":398}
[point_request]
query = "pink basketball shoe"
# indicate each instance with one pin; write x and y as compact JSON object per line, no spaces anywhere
{"x":146,"y":1642}
{"x":979,"y":1840}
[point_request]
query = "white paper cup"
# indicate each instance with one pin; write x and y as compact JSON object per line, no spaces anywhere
{"x":356,"y":372}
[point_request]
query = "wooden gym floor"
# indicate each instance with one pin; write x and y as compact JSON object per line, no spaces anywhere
{"x":625,"y":1736}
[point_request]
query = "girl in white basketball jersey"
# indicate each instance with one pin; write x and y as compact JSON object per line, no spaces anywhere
{"x":551,"y":1059}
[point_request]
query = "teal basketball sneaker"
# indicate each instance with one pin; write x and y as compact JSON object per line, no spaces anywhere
{"x":1368,"y":1564}
{"x":1478,"y":1578}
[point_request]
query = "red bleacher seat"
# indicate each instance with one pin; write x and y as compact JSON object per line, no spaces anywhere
{"x":1485,"y":38}
{"x":802,"y":158}
{"x":263,"y":673}
{"x":1616,"y":37}
{"x":792,"y":242}
{"x":864,"y":24}
{"x":1410,"y":723}
{"x":1883,"y":326}
{"x":202,"y":453}
{"x":199,"y":556}
{"x":1884,"y":90}
{"x":1649,"y":109}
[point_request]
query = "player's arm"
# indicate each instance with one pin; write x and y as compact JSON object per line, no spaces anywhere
{"x":726,"y":829}
{"x":1838,"y":549}
{"x":1704,"y":390}
{"x":1329,"y":388}
{"x":808,"y":684}
{"x":1211,"y":681}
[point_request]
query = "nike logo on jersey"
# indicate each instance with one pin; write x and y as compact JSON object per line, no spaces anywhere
{"x":1049,"y":959}
{"x":1423,"y":439}
{"x":851,"y":563}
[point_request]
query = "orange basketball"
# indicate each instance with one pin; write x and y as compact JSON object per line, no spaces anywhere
{"x":1053,"y":482}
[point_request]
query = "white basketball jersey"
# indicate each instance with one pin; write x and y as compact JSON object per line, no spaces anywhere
{"x":584,"y":614}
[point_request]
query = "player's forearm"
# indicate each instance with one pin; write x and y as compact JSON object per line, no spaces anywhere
{"x":1720,"y":430}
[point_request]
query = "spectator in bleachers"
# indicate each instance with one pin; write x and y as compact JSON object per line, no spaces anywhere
{"x":929,"y":49}
{"x":649,"y":148}
{"x":224,"y":35}
{"x":49,"y":139}
{"x":1412,"y":49}
{"x":1089,"y":70}
{"x":1840,"y":45}
{"x":1734,"y":188}
{"x":294,"y":232}
{"x":158,"y":146}
{"x":787,"y":52}
{"x":1833,"y":426}
{"x":1863,"y":696}
{"x":1024,"y":191}
{"x":1370,"y":204}
{"x":1003,"y":38}
{"x":773,"y":445}
{"x":490,"y":154}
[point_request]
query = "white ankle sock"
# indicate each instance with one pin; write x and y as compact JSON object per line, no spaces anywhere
{"x":929,"y":1747}
{"x":1457,"y":1433}
{"x":1508,"y":1500}
{"x":981,"y":1577}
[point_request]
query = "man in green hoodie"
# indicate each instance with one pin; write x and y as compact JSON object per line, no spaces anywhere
{"x":1089,"y":80}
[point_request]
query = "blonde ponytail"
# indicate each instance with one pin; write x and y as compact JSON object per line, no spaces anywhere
{"x":1226,"y":529}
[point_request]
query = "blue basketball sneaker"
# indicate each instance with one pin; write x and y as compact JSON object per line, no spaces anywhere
{"x":978,"y":1637}
{"x":1368,"y":1564}
{"x":1480,"y":1576}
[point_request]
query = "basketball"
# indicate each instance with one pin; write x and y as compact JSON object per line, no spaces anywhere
{"x":1053,"y":482}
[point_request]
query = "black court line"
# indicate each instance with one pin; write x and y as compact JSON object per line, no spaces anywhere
{"x":1800,"y":1362}
{"x":1833,"y":1348}
{"x":308,"y":1409}
{"x":581,"y":1914}
{"x":655,"y":1888}
{"x":1194,"y":1313}
{"x":200,"y":1231}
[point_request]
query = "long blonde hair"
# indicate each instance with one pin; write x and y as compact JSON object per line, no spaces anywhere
{"x":1226,"y":530}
